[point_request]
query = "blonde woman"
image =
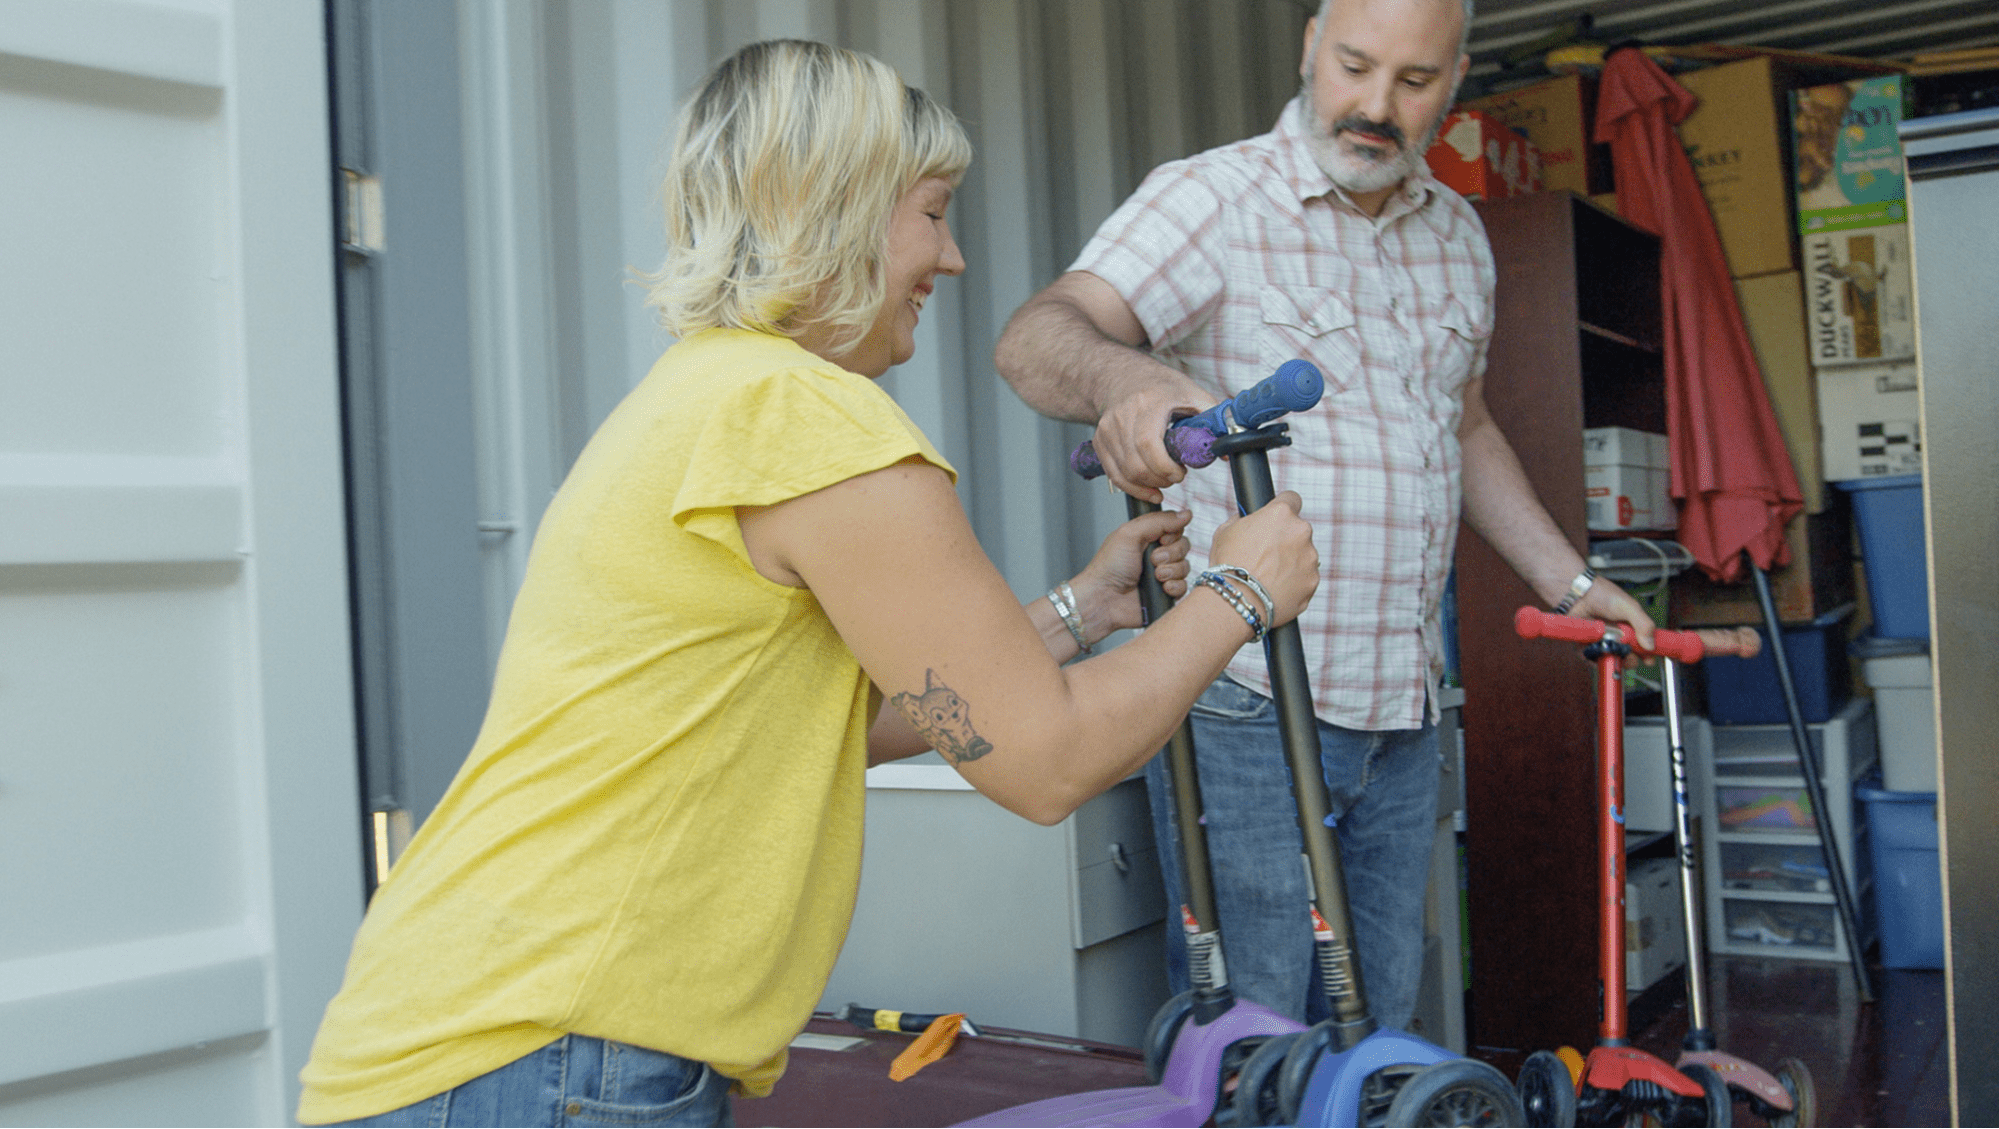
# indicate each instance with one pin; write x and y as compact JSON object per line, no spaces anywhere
{"x":632,"y":895}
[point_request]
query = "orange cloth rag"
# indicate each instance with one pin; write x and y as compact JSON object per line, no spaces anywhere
{"x":935,"y":1042}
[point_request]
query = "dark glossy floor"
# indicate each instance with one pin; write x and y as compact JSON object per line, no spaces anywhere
{"x":1881,"y":1064}
{"x":1886,"y":1063}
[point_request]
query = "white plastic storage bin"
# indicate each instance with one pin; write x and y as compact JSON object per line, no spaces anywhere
{"x":1905,"y":710}
{"x":1768,"y":890}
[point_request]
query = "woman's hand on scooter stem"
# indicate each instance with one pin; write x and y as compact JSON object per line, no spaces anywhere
{"x":1107,"y":588}
{"x":1275,"y":545}
{"x":1130,"y":439}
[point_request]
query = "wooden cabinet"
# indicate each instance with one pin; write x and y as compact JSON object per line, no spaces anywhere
{"x":1575,"y":344}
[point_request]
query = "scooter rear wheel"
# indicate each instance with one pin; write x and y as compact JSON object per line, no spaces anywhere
{"x":1160,"y":1033}
{"x":1458,"y":1091}
{"x":1720,"y":1102}
{"x":1300,"y":1060}
{"x":1255,"y":1099}
{"x":1547,"y":1091}
{"x":1797,"y":1081}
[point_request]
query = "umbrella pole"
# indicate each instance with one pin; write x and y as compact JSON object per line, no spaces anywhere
{"x":1808,"y":761}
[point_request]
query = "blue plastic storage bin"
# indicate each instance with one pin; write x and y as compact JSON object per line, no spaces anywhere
{"x":1889,"y":515}
{"x":1908,"y":880}
{"x":1746,"y":691}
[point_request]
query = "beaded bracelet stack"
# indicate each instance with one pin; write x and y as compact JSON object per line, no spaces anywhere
{"x":1223,"y":579}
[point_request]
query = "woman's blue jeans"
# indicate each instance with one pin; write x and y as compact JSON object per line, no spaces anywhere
{"x":1384,"y":799}
{"x":577,"y":1080}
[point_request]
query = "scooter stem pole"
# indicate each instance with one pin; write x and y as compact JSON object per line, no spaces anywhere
{"x":1699,"y":1036}
{"x":1212,"y":996}
{"x":1339,"y":961}
{"x":1610,"y":842}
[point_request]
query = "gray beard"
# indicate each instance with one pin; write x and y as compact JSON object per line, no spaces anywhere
{"x":1365,"y":169}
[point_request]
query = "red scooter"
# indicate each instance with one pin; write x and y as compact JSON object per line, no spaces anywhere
{"x":1618,"y":1084}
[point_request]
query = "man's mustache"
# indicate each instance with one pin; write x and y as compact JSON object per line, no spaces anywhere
{"x":1360,"y":123}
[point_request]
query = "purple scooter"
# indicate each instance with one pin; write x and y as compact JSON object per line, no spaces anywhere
{"x":1200,"y":1038}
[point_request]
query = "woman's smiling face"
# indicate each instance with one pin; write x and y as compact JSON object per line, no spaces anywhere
{"x":920,"y":248}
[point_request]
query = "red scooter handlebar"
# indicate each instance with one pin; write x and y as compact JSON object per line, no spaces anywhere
{"x":1681,"y":646}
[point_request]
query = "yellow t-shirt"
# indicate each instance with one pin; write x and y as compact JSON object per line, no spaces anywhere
{"x":657,"y":836}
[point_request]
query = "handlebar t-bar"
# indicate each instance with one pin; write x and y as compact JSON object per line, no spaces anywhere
{"x":1294,"y":387}
{"x":1533,"y":623}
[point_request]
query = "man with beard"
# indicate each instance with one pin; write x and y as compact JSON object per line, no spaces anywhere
{"x":1326,"y":239}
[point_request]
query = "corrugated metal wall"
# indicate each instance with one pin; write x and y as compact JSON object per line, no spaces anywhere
{"x":569,"y":106}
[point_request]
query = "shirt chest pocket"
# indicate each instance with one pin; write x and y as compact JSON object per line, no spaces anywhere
{"x":1461,"y":330}
{"x":1316,"y":325}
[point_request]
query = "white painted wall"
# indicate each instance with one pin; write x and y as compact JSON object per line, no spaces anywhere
{"x":177,"y":788}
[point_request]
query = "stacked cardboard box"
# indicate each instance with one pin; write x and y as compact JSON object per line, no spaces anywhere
{"x":1556,"y":115}
{"x":1482,"y":159}
{"x":1852,"y":200}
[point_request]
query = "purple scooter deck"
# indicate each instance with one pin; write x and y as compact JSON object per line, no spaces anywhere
{"x":1185,"y":1095}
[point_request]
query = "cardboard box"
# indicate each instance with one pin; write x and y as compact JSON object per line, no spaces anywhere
{"x":1736,"y":140}
{"x":1846,"y":137}
{"x":1625,"y":480}
{"x":1739,"y":139}
{"x":1871,"y":421}
{"x":1556,"y":115}
{"x":1655,"y":933}
{"x":1818,"y":579}
{"x":1773,"y":312}
{"x":1859,"y":295}
{"x":1484,"y":160}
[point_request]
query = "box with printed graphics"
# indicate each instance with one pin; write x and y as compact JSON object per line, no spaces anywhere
{"x":1859,"y":295}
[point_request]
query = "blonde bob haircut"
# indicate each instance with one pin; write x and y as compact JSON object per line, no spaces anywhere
{"x":785,"y":169}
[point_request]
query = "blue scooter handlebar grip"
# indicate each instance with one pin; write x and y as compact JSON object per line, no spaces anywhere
{"x":1294,"y":387}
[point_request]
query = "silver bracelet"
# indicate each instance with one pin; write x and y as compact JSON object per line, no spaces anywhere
{"x":1239,"y":573}
{"x":1578,"y":588}
{"x":1063,"y":599}
{"x":1212,"y":579}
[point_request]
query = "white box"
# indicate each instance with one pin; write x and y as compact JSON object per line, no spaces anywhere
{"x":1870,"y":422}
{"x":1617,"y":498}
{"x":1859,"y":296}
{"x":1655,"y":932}
{"x":1626,"y":484}
{"x":1905,"y":712}
{"x":1648,"y":769}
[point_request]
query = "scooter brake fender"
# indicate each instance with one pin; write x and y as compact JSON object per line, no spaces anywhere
{"x":1741,"y":1075}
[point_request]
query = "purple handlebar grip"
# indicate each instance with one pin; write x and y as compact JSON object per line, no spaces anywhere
{"x":1190,"y":447}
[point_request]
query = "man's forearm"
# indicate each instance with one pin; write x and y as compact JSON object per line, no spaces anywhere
{"x":1500,"y":504}
{"x":1064,"y":365}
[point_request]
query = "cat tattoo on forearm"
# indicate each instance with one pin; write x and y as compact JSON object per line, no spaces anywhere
{"x":944,"y":720}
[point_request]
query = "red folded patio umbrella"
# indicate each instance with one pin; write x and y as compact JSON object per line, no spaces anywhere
{"x":1731,"y":472}
{"x":1730,"y":467}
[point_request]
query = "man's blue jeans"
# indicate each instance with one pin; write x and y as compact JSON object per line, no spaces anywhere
{"x":1384,"y":797}
{"x":577,"y":1080}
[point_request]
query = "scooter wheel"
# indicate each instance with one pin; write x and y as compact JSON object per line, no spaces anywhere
{"x":1255,"y":1099}
{"x":1160,"y":1033}
{"x":1720,"y":1103}
{"x":1300,"y":1060}
{"x":1797,"y":1081}
{"x":1547,"y":1091}
{"x":1458,"y":1091}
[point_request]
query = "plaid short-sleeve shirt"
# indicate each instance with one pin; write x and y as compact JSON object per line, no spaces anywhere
{"x":1246,"y":256}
